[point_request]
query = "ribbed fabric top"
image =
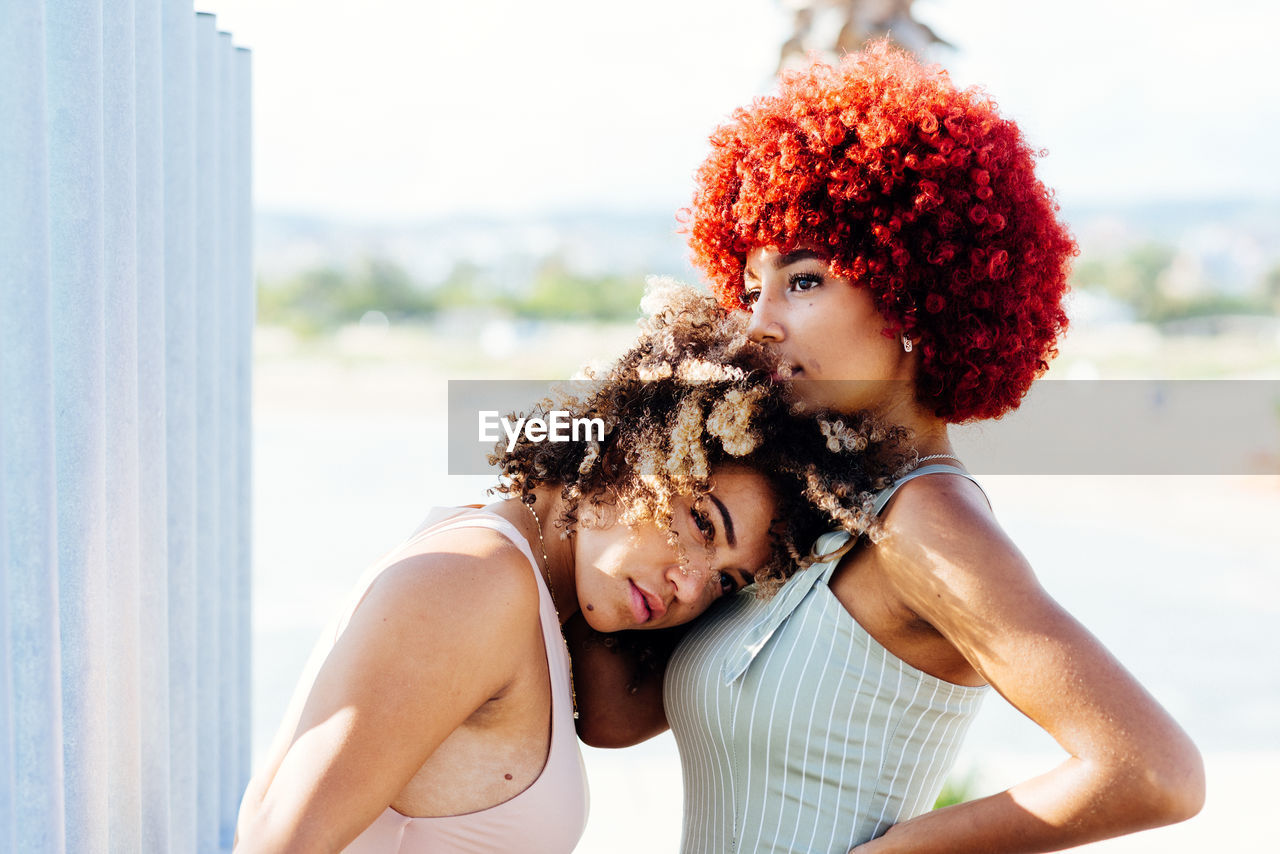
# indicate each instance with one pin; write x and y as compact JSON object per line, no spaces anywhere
{"x":797,"y":731}
{"x":550,"y":815}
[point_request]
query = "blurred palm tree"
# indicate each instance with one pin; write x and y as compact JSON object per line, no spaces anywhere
{"x":860,"y":21}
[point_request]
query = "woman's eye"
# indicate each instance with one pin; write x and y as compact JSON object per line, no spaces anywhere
{"x":703,"y":524}
{"x":748,"y":298}
{"x":804,"y":281}
{"x":727,"y":583}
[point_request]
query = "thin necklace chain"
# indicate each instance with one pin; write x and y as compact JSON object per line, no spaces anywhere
{"x":551,"y":588}
{"x":931,"y":457}
{"x":546,"y":564}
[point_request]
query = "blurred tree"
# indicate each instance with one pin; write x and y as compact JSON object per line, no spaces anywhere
{"x":322,"y":299}
{"x":860,"y":22}
{"x":1132,"y":278}
{"x":466,"y":286}
{"x":560,"y":294}
{"x":1271,"y":289}
{"x":957,"y":790}
{"x":1141,"y":278}
{"x":380,"y":285}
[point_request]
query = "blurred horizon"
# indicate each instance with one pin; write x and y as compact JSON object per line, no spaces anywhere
{"x":1148,"y":262}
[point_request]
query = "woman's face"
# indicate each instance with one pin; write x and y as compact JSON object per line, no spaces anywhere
{"x":827,"y":331}
{"x":631,"y":577}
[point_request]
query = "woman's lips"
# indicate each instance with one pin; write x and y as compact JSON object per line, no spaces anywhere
{"x":657,"y":608}
{"x":639,"y":608}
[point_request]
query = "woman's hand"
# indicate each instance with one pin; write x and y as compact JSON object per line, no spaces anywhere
{"x":1130,"y":766}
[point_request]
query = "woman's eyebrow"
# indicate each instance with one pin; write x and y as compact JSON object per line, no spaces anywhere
{"x":795,"y":256}
{"x":727,"y":519}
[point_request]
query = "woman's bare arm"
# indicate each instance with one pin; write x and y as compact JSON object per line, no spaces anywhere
{"x":1130,"y":766}
{"x":431,"y":642}
{"x":619,"y":698}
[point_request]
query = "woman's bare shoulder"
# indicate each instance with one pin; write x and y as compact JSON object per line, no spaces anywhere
{"x":943,"y":508}
{"x":941,"y":529}
{"x":472,"y":571}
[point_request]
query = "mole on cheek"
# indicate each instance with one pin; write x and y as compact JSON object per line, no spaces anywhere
{"x":507,"y":776}
{"x":590,"y":607}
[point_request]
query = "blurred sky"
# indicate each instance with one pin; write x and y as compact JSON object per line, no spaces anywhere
{"x":384,"y":110}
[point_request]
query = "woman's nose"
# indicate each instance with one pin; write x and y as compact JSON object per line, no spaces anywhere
{"x":764,"y":326}
{"x":689,"y":581}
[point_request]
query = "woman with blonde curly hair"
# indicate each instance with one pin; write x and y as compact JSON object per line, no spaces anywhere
{"x":437,"y":711}
{"x":887,"y":234}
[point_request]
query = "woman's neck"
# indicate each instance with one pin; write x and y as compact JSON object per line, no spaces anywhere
{"x":555,"y":552}
{"x":929,"y":433}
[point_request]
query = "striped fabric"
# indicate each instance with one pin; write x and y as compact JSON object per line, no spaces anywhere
{"x":797,"y":731}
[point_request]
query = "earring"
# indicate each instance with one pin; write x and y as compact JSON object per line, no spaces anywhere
{"x":906,"y":343}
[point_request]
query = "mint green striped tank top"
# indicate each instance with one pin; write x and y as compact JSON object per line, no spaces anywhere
{"x":797,"y":731}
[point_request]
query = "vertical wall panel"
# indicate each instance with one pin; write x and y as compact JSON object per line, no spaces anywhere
{"x":153,"y":581}
{"x":74,"y":73}
{"x":179,"y":111}
{"x":33,"y":733}
{"x":124,"y":778}
{"x":246,"y":316}
{"x":8,"y":699}
{"x":225,"y":417}
{"x":208,"y":470}
{"x":125,"y":324}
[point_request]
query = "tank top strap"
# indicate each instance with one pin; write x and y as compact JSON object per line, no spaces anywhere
{"x":476,"y":516}
{"x":882,"y":497}
{"x":443,"y":519}
{"x":767,"y":621}
{"x":783,"y":604}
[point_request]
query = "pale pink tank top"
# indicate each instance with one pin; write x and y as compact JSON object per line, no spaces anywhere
{"x":550,"y":815}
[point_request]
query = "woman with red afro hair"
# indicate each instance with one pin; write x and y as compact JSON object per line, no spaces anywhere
{"x":888,"y":235}
{"x":916,"y":191}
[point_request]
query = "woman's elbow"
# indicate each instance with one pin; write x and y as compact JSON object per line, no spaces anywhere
{"x":256,"y":835}
{"x":262,"y":831}
{"x":594,"y":736}
{"x":604,"y":735}
{"x":617,"y":730}
{"x":1174,"y":785}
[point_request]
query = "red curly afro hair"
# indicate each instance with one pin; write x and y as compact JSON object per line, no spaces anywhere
{"x":918,"y":191}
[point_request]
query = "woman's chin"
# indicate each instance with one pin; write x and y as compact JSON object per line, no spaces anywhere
{"x":605,"y":624}
{"x":619,"y":623}
{"x":845,"y":395}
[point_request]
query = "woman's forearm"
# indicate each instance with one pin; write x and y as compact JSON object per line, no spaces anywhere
{"x":1076,"y":803}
